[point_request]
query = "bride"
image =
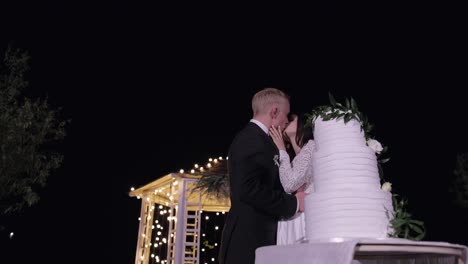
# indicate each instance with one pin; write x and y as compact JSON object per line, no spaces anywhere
{"x":295,"y":176}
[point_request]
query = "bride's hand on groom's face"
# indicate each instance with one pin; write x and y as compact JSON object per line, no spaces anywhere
{"x":277,"y":136}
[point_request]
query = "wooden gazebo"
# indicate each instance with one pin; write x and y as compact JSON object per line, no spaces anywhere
{"x":176,"y":191}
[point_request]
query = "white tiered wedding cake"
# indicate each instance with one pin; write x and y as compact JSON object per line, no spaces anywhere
{"x":348,"y":201}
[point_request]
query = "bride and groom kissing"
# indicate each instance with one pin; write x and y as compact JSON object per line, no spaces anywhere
{"x":266,"y":190}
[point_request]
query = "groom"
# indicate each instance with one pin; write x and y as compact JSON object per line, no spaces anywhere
{"x":257,"y":197}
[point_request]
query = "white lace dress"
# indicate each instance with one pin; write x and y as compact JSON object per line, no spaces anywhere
{"x":294,"y":175}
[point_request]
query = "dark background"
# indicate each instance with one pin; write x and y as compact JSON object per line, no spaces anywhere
{"x":152,"y":89}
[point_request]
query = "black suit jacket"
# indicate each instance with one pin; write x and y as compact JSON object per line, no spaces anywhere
{"x":257,"y":198}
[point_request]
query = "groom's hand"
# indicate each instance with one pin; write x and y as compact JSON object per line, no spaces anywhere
{"x":300,"y":199}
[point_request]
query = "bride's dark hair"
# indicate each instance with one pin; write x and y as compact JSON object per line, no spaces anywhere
{"x":303,"y":134}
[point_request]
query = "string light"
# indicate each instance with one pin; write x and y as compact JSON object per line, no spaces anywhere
{"x":158,"y":250}
{"x":132,"y":189}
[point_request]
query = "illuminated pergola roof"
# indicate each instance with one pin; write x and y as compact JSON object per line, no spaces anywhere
{"x":160,"y":189}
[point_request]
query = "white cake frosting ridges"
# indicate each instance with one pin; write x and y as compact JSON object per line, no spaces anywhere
{"x":347,"y":201}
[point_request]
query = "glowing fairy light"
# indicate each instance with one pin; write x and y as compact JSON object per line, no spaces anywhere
{"x":181,"y":171}
{"x":208,"y":165}
{"x":132,"y":189}
{"x":220,"y":158}
{"x":210,"y":159}
{"x":207,"y":217}
{"x":192,"y":171}
{"x":196,"y":166}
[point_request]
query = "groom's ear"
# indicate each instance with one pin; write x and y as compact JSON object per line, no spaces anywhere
{"x":274,"y":111}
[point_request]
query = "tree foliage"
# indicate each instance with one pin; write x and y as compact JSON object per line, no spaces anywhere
{"x":29,"y":128}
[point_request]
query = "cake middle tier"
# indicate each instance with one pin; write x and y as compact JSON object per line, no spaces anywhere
{"x":348,"y":168}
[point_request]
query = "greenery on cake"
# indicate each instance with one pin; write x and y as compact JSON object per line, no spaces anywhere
{"x":402,"y":224}
{"x":347,"y":112}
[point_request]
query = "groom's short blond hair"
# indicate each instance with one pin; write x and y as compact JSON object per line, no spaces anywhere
{"x":264,"y":99}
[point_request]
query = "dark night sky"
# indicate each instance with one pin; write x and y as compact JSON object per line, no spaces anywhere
{"x":151,"y":90}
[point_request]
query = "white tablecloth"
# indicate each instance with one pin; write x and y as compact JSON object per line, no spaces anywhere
{"x":335,"y":251}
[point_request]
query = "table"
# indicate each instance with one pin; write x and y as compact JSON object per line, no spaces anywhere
{"x":365,"y":251}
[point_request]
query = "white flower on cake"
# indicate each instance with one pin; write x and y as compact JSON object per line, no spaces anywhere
{"x":387,"y":186}
{"x":375,"y":145}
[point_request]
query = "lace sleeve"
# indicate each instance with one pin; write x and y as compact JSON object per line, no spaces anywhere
{"x":294,"y":175}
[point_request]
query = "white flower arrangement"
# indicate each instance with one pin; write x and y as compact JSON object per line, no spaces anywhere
{"x":374,"y":145}
{"x":387,"y":186}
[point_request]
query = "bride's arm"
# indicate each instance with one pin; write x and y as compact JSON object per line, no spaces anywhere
{"x":294,"y":175}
